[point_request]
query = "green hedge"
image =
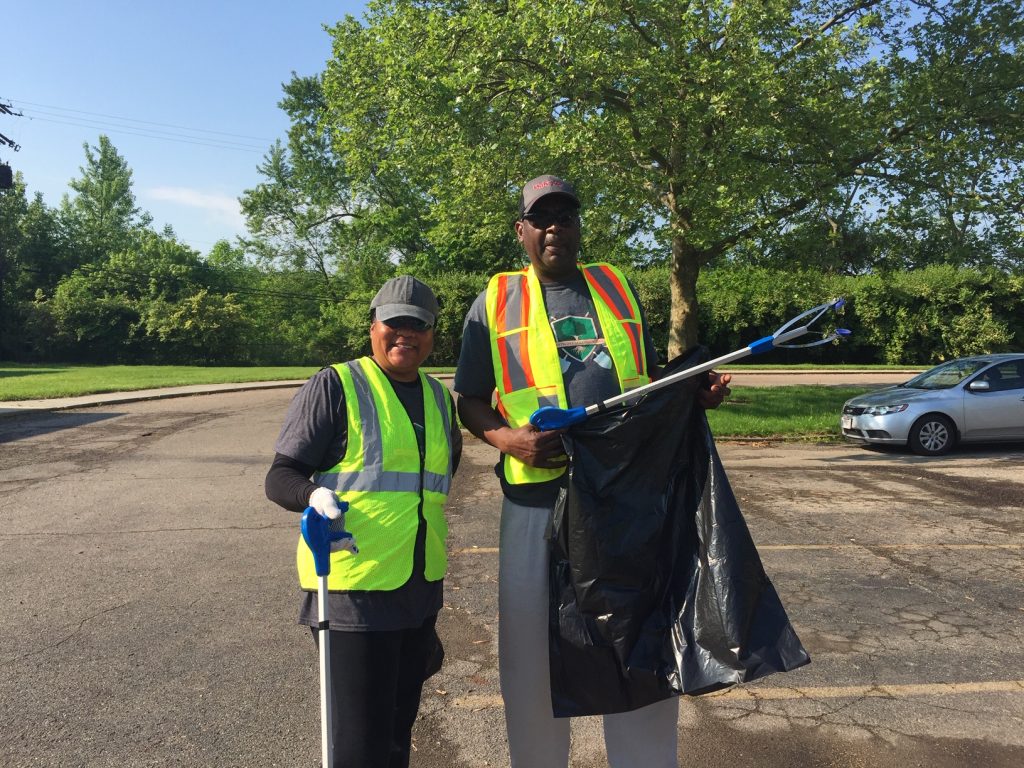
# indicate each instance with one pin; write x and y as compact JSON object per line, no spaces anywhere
{"x":904,"y":318}
{"x":285,"y":318}
{"x":910,"y":318}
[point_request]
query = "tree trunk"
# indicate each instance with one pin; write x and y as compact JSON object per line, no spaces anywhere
{"x":682,"y":333}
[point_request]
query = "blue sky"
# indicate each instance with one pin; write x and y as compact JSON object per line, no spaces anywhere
{"x":201,"y":80}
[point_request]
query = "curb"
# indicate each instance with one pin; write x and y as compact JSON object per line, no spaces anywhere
{"x":15,"y":407}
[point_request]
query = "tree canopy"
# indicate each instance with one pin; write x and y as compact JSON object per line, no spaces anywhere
{"x":102,"y":215}
{"x":761,"y":155}
{"x":691,"y":128}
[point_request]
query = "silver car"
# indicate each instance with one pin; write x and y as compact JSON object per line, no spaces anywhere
{"x":972,"y":399}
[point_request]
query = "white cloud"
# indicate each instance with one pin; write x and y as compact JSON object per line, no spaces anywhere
{"x":220,"y":207}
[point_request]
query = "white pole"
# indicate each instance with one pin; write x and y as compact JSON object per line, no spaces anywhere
{"x":694,"y":371}
{"x":326,"y":729}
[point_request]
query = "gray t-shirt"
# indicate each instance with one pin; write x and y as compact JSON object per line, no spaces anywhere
{"x":587,"y":368}
{"x":315,"y":433}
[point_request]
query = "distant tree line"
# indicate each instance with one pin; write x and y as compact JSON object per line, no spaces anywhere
{"x":90,"y":281}
{"x":762,"y":157}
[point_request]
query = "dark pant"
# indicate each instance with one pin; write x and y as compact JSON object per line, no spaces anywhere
{"x":376,"y":680}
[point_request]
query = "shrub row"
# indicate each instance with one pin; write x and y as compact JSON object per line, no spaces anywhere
{"x":911,"y":318}
{"x":904,"y":318}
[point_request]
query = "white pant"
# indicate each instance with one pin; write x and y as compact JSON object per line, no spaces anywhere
{"x":645,"y":737}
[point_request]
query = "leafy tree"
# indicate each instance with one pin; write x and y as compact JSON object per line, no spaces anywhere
{"x":13,"y":207}
{"x":32,"y":260}
{"x":45,"y":256}
{"x":152,"y":303}
{"x":94,"y":320}
{"x":102,"y":217}
{"x":308,"y":215}
{"x":689,"y":127}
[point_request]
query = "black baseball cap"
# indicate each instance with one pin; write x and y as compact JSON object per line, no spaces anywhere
{"x":542,"y":186}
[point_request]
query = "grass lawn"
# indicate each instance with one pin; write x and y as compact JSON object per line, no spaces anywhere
{"x":796,"y":413}
{"x":35,"y":382}
{"x":31,"y":382}
{"x":755,"y":366}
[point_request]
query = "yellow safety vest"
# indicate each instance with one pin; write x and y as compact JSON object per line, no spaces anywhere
{"x":527,"y":372}
{"x":386,"y":485}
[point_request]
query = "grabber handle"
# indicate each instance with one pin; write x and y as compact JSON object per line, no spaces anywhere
{"x":318,"y":532}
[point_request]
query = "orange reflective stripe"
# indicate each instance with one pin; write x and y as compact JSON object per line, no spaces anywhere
{"x":615,"y":300}
{"x":502,"y":327}
{"x":502,"y":309}
{"x":633,"y":331}
{"x":603,"y":280}
{"x":524,"y":347}
{"x":512,"y":315}
{"x":519,"y":329}
{"x":503,"y":353}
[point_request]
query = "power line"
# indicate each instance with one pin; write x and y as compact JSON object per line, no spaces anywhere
{"x":147,"y":131}
{"x":136,"y":120}
{"x":149,"y":135}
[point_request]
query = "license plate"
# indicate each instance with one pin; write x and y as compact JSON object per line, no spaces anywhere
{"x":847,"y":422}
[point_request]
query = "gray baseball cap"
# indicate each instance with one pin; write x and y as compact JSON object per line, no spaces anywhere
{"x":405,"y":296}
{"x":542,"y":186}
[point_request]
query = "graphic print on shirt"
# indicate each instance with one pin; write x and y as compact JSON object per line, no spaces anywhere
{"x":577,"y":340}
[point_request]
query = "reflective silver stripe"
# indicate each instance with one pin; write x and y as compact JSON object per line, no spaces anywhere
{"x":441,"y":398}
{"x":513,"y":304}
{"x":625,"y":311}
{"x":543,"y":400}
{"x":633,"y":330}
{"x":437,"y":483}
{"x":514,"y":353}
{"x":515,"y":289}
{"x":373,"y":448}
{"x":371,"y":479}
{"x":629,"y":322}
{"x":442,"y":404}
{"x":371,"y":482}
{"x":401,"y":482}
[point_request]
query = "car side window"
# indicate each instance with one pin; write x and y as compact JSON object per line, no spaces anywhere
{"x":1005,"y":376}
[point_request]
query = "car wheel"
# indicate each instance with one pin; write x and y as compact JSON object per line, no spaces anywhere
{"x":932,"y":435}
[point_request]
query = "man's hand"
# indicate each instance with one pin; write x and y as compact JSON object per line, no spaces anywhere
{"x":527,"y":443}
{"x":325,"y":502}
{"x":715,"y":392}
{"x":534,"y":447}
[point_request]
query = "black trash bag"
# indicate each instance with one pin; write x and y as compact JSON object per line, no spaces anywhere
{"x":656,"y":588}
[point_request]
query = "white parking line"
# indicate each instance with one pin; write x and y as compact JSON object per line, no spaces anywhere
{"x":760,"y":693}
{"x":827,"y":547}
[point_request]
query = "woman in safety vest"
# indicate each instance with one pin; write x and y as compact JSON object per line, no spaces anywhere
{"x":383,"y":437}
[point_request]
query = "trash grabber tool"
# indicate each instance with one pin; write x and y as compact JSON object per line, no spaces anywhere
{"x":318,"y":533}
{"x":551,"y":417}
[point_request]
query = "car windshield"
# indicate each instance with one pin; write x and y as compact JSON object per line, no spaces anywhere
{"x":946,"y":375}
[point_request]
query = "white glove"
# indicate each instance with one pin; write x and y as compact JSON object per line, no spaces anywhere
{"x":324,"y":501}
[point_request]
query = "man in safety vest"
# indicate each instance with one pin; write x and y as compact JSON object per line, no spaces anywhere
{"x":562,"y":334}
{"x":383,"y":437}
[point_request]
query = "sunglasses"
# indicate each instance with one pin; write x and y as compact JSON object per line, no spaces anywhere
{"x":407,"y":324}
{"x":544,"y":219}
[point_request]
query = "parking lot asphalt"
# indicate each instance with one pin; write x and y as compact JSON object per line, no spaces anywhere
{"x":150,"y":602}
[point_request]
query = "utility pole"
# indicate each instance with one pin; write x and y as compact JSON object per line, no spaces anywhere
{"x":6,"y":182}
{"x":6,"y":174}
